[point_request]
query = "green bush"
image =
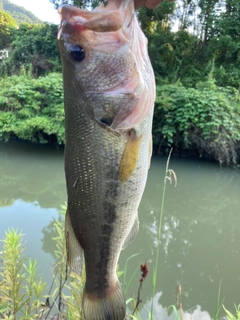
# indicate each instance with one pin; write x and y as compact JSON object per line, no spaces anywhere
{"x":32,"y":46}
{"x":205,"y":119}
{"x":32,"y":109}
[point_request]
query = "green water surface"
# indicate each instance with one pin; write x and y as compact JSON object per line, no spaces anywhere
{"x":200,"y":245}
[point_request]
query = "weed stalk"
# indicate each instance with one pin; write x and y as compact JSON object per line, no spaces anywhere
{"x":169,"y":174}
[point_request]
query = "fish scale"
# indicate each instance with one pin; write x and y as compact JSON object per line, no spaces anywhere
{"x":109,"y":93}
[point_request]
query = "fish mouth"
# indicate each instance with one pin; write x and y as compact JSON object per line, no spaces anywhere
{"x":114,"y":16}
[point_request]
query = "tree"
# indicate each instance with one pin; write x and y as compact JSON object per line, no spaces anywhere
{"x":6,"y":24}
{"x":32,"y":109}
{"x":152,"y":19}
{"x":34,"y":45}
{"x":223,"y":46}
{"x":78,"y":3}
{"x":20,"y":14}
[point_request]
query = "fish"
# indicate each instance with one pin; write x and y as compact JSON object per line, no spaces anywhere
{"x":109,"y":93}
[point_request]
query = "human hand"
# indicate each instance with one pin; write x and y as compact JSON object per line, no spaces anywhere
{"x":150,"y":4}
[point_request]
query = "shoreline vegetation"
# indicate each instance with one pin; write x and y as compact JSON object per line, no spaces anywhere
{"x":201,"y":122}
{"x":195,"y":52}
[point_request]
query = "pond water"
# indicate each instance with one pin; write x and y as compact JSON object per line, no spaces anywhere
{"x":200,"y":245}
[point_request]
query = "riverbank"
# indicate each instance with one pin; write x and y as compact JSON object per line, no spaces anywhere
{"x":202,"y":121}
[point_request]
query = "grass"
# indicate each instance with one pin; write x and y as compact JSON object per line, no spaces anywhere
{"x":218,"y":304}
{"x":21,"y":288}
{"x":22,"y":291}
{"x":230,"y":316}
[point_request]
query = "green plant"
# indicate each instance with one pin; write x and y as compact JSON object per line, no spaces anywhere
{"x":125,"y":273}
{"x":169,"y":176}
{"x":33,"y":46}
{"x":175,"y":311}
{"x":32,"y":109}
{"x":218,"y":305}
{"x":21,"y":288}
{"x":230,"y":316}
{"x":203,"y":119}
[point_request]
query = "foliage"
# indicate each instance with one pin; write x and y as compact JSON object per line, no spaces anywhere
{"x":151,"y":19}
{"x":6,"y":24}
{"x":218,"y":304}
{"x":205,"y":32}
{"x":83,"y":4}
{"x":68,"y":288}
{"x":20,"y":287}
{"x":33,"y":46}
{"x":20,"y":14}
{"x":205,"y":119}
{"x":230,"y":316}
{"x":32,"y":109}
{"x":170,"y":176}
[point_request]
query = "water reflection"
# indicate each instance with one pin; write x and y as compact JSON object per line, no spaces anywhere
{"x":31,"y":173}
{"x":165,"y":313}
{"x":49,"y":233}
{"x":200,"y":236}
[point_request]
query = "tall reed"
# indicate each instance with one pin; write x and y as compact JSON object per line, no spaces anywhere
{"x":169,"y":176}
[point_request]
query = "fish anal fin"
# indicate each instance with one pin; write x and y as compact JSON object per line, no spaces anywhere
{"x":111,"y":306}
{"x":75,"y":255}
{"x":132,"y":234}
{"x":129,"y":157}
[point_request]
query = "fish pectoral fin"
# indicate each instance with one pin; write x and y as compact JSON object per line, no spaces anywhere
{"x":132,"y":234}
{"x":130,"y":156}
{"x":75,"y":255}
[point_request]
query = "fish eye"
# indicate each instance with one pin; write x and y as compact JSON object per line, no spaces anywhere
{"x":76,"y":52}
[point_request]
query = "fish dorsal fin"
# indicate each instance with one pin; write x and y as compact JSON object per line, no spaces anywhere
{"x":75,"y":256}
{"x":132,"y":234}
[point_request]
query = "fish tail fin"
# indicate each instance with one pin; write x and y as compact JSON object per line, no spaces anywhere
{"x":110,"y":307}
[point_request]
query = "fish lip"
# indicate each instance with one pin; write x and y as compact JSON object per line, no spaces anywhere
{"x":92,"y":20}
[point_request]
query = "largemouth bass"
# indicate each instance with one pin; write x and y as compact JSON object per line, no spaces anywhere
{"x":109,"y":93}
